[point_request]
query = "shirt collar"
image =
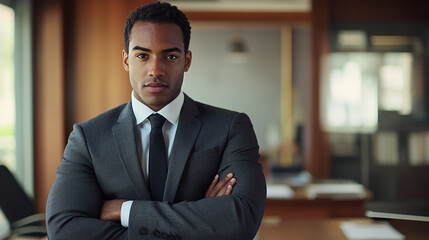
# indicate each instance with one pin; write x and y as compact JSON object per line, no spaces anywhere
{"x":171,"y":111}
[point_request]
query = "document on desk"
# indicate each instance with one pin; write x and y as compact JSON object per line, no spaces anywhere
{"x":277,"y":191}
{"x":333,"y":190}
{"x":370,"y":230}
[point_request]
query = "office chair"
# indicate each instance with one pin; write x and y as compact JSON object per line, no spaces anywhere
{"x":18,"y":208}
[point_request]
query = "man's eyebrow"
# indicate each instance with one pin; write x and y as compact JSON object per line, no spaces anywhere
{"x":174,"y":49}
{"x":141,"y":49}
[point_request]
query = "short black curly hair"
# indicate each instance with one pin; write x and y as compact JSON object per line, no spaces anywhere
{"x":158,"y":12}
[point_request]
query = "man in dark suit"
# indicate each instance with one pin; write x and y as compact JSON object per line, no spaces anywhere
{"x":107,"y":185}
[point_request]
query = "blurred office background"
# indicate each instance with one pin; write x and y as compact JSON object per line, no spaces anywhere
{"x":335,"y":88}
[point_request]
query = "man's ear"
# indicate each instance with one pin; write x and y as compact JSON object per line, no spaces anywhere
{"x":188,"y":59}
{"x":125,"y":60}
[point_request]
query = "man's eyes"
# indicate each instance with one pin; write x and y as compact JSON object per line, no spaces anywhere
{"x":170,"y":57}
{"x":142,"y":56}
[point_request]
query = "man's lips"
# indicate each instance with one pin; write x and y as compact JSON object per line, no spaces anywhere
{"x":155,"y":87}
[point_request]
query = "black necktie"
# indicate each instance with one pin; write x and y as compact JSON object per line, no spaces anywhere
{"x":157,"y":158}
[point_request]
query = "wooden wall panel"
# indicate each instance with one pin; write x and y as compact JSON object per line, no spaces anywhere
{"x":99,"y":81}
{"x":319,"y":163}
{"x":362,"y":10}
{"x":48,"y":96}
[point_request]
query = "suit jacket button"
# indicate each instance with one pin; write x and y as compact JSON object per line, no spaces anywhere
{"x":143,"y":231}
{"x":157,"y":234}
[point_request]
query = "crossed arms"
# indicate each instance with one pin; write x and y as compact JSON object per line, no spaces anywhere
{"x":111,"y":209}
{"x":77,"y":206}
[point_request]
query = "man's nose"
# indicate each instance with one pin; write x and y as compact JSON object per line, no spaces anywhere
{"x":156,"y":68}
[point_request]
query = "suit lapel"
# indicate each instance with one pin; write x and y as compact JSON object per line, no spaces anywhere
{"x":186,"y":135}
{"x":124,"y":135}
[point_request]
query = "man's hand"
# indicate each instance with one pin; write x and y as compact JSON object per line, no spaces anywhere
{"x":223,"y":187}
{"x":111,"y":210}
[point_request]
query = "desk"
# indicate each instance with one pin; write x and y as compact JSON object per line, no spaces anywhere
{"x":301,"y":207}
{"x":329,"y":229}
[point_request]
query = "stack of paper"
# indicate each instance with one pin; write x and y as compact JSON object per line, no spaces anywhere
{"x":347,"y":190}
{"x":370,"y":230}
{"x":279,"y":191}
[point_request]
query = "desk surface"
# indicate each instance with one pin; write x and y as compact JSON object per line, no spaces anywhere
{"x":328,"y":229}
{"x":301,"y":207}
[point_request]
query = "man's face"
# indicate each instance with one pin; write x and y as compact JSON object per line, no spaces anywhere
{"x":156,"y":62}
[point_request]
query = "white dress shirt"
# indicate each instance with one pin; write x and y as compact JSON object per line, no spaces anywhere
{"x":171,"y":113}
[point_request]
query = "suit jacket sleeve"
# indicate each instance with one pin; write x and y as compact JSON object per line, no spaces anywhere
{"x":236,"y":216}
{"x":74,"y":202}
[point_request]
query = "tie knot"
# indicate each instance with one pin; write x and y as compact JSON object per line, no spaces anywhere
{"x":156,"y":120}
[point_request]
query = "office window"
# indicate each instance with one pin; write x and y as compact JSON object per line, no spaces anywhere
{"x":349,"y":93}
{"x":7,"y":90}
{"x":16,"y":91}
{"x":7,"y":98}
{"x":395,"y":83}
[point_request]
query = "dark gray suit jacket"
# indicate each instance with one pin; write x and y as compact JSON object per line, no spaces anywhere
{"x":101,"y":162}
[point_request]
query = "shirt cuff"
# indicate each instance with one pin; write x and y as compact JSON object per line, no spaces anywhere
{"x":125,"y":213}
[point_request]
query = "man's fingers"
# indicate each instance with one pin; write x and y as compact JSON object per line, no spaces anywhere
{"x":219,"y":188}
{"x":227,"y":188}
{"x":212,"y":185}
{"x":222,"y":183}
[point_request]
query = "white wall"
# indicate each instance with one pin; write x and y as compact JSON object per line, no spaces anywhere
{"x":252,"y":87}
